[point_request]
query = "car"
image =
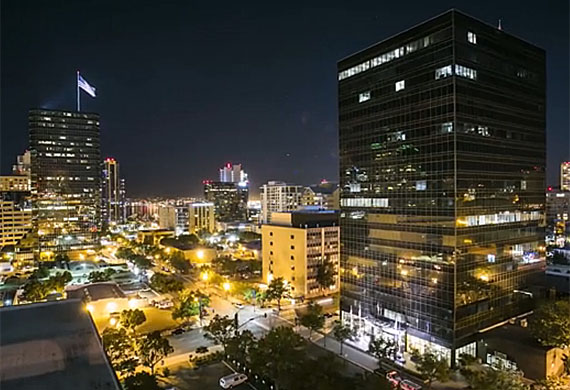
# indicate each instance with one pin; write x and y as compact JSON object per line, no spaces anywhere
{"x":202,"y":349}
{"x":394,"y":378}
{"x":238,"y":305}
{"x":229,"y":381}
{"x":407,"y":384}
{"x":178,"y":331}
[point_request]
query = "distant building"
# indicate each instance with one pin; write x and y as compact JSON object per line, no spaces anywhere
{"x":66,"y":179}
{"x":565,"y":176}
{"x":254,"y":211}
{"x":296,"y":244}
{"x":65,"y":352}
{"x":201,"y":217}
{"x":154,"y":236}
{"x":229,"y":199}
{"x":23,"y":164}
{"x":324,"y":196}
{"x":113,"y":196}
{"x":233,"y":173}
{"x":277,"y":196}
{"x":143,"y":209}
{"x":167,"y":217}
{"x":15,"y":208}
{"x":558,"y":214}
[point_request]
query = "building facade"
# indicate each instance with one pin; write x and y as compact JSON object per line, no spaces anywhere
{"x":557,"y":216}
{"x":66,"y":179}
{"x":325,"y":196}
{"x":565,"y":176}
{"x":15,"y":209}
{"x":201,"y":217}
{"x":233,"y":173}
{"x":442,"y":159}
{"x":113,"y":208}
{"x":295,"y":245}
{"x":277,"y":196}
{"x":229,"y":199}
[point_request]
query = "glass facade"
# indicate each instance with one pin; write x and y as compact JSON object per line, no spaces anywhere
{"x":442,"y":180}
{"x":229,"y":199}
{"x":66,"y":179}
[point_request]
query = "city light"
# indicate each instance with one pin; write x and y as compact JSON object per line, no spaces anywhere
{"x":227,"y":286}
{"x":90,"y":308}
{"x":111,"y":307}
{"x":205,"y":276}
{"x":200,"y":254}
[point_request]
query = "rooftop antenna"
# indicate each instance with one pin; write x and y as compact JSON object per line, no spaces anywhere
{"x":500,"y":27}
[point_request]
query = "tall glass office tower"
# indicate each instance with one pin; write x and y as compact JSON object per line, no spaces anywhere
{"x":442,"y":159}
{"x":66,"y":180}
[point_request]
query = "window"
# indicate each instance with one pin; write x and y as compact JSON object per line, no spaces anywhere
{"x":447,"y":127}
{"x":292,"y":278}
{"x":364,"y":96}
{"x":292,"y":247}
{"x":271,"y":252}
{"x":271,"y":243}
{"x":400,"y":85}
{"x":292,"y":257}
{"x":271,"y":233}
{"x":421,"y":185}
{"x":442,"y":72}
{"x":471,"y":37}
{"x":292,"y":268}
{"x":292,"y":237}
{"x":464,"y":71}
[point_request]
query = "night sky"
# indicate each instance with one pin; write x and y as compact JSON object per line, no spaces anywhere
{"x":186,"y":86}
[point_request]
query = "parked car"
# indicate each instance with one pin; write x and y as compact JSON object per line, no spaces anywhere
{"x":178,"y":331}
{"x":407,"y":384}
{"x":393,"y":378}
{"x":238,"y":305}
{"x":229,"y":381}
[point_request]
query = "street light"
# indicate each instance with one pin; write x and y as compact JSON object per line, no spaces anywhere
{"x":227,"y":286}
{"x":205,"y":276}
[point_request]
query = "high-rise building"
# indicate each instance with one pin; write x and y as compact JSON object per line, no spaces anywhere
{"x":66,"y":179}
{"x":323,"y":196}
{"x":565,"y":176}
{"x":277,"y":196}
{"x":15,"y":209}
{"x":113,"y":196}
{"x":167,"y":217}
{"x":296,"y":245}
{"x":201,"y":217}
{"x":232,"y":173}
{"x":442,"y":159}
{"x":23,"y":164}
{"x":229,"y":198}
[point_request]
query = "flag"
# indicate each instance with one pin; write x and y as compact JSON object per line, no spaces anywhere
{"x":84,"y":85}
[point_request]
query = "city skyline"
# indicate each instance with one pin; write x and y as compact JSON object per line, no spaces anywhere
{"x":288,"y":91}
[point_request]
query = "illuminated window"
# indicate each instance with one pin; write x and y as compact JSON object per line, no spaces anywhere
{"x":421,"y":185}
{"x":447,"y":127}
{"x":472,"y":37}
{"x":466,"y":72}
{"x":400,"y":85}
{"x":364,"y":96}
{"x":442,"y":72}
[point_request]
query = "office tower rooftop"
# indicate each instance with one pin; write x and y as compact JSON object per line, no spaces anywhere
{"x":442,"y":158}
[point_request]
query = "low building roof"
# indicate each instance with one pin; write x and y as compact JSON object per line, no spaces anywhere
{"x":96,"y":291}
{"x":52,"y":345}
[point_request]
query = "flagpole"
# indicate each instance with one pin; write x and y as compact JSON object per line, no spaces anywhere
{"x":78,"y":94}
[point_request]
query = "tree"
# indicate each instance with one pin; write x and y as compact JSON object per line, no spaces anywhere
{"x":325,"y":274}
{"x":278,"y":354}
{"x":130,"y":319}
{"x":141,"y":262}
{"x":382,"y":348}
{"x":550,"y":324}
{"x":240,"y":346}
{"x":164,"y":283}
{"x":59,"y":281}
{"x":141,"y":381}
{"x":220,"y":330}
{"x":61,"y":257}
{"x":342,"y":333}
{"x":119,"y":348}
{"x":189,"y":305}
{"x":125,"y":253}
{"x":101,"y":276}
{"x":179,"y":262}
{"x":490,"y":378}
{"x":559,"y":258}
{"x":554,"y":383}
{"x":432,"y":367}
{"x":313,"y":319}
{"x":152,"y":349}
{"x":35,"y":291}
{"x":40,"y":273}
{"x":276,"y":291}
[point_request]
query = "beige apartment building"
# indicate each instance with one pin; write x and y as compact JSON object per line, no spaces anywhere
{"x":201,"y":217}
{"x":296,"y":244}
